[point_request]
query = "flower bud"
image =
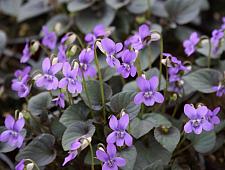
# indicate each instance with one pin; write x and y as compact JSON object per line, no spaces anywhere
{"x":30,"y":166}
{"x":34,"y":46}
{"x":85,"y":143}
{"x":20,"y":115}
{"x":54,"y":60}
{"x":99,"y":45}
{"x":143,"y":75}
{"x":71,"y":37}
{"x":37,"y":76}
{"x":155,"y":36}
{"x":173,"y":97}
{"x":72,"y":51}
{"x":58,"y":27}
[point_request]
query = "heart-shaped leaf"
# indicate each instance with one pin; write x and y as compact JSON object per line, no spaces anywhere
{"x":94,"y":93}
{"x":10,"y":7}
{"x":75,"y":131}
{"x":116,"y":4}
{"x":203,"y":79}
{"x":168,"y":140}
{"x":74,"y":112}
{"x":78,"y":5}
{"x":125,"y":100}
{"x":108,"y":73}
{"x":130,"y":154}
{"x":139,"y":6}
{"x":157,"y":165}
{"x":3,"y":40}
{"x":40,"y":150}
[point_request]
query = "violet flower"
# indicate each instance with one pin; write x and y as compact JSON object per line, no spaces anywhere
{"x":26,"y":53}
{"x":110,"y":49}
{"x":49,"y":39}
{"x":197,"y":121}
{"x":217,"y":35}
{"x":59,"y":100}
{"x":61,"y":54}
{"x":119,"y":134}
{"x":48,"y":80}
{"x":220,"y":90}
{"x":86,"y":57}
{"x":20,"y":165}
{"x":148,"y":94}
{"x":127,"y":67}
{"x":212,"y":117}
{"x":109,"y":158}
{"x":12,"y":135}
{"x":70,"y":80}
{"x":73,"y":152}
{"x":191,"y":43}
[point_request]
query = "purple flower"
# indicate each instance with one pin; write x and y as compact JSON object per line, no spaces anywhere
{"x":98,"y":31}
{"x":220,"y":90}
{"x":86,"y":57}
{"x":19,"y":74}
{"x":110,"y":48}
{"x":109,"y":158}
{"x":127,"y":67}
{"x":191,"y":43}
{"x":20,"y":165}
{"x":49,"y":39}
{"x":212,"y":117}
{"x":61,"y":54}
{"x":217,"y":35}
{"x":197,"y":121}
{"x":148,"y":94}
{"x":59,"y":100}
{"x":48,"y":80}
{"x":119,"y":134}
{"x":13,"y":135}
{"x":73,"y":152}
{"x":70,"y":79}
{"x":26,"y":54}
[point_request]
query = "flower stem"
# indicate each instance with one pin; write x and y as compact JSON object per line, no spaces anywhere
{"x":101,"y":82}
{"x":80,"y":42}
{"x":92,"y":157}
{"x":175,"y":110}
{"x":69,"y":97}
{"x":160,"y":62}
{"x":150,"y":57}
{"x":209,"y":54}
{"x":138,"y":65}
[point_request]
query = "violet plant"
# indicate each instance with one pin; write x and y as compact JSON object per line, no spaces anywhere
{"x":72,"y":106}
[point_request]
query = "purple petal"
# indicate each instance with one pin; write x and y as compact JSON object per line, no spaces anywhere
{"x":91,"y":72}
{"x":189,"y":111}
{"x":109,"y":46}
{"x":46,"y":64}
{"x":18,"y":126}
{"x":144,"y":31}
{"x":143,"y":84}
{"x":40,"y":81}
{"x":20,"y":140}
{"x":149,"y":101}
{"x":75,"y":145}
{"x":5,"y":135}
{"x":120,"y":141}
{"x":188,"y":127}
{"x":111,"y":138}
{"x":113,"y":122}
{"x":207,"y":126}
{"x":202,"y":110}
{"x":158,"y":97}
{"x":154,"y":82}
{"x":56,"y":68}
{"x":106,"y":167}
{"x":215,"y":120}
{"x":9,"y":122}
{"x":216,"y":110}
{"x":20,"y":165}
{"x":112,"y":61}
{"x":120,"y":161}
{"x":197,"y":130}
{"x":111,"y":150}
{"x":133,"y":71}
{"x":70,"y":157}
{"x":63,"y":83}
{"x":139,"y":98}
{"x":128,"y":140}
{"x":102,"y":156}
{"x":123,"y":122}
{"x":66,"y":68}
{"x":119,"y":47}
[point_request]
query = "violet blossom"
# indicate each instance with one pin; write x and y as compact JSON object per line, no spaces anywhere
{"x":191,"y":43}
{"x":109,"y":158}
{"x":12,"y":135}
{"x":220,"y":89}
{"x":26,"y":53}
{"x":212,"y":117}
{"x":127,"y":67}
{"x":197,"y":121}
{"x":59,"y":100}
{"x":149,"y":94}
{"x":49,"y":39}
{"x":86,"y":57}
{"x":48,"y":80}
{"x":73,"y":152}
{"x":61,"y":54}
{"x":111,"y":49}
{"x":70,"y":80}
{"x":20,"y":165}
{"x":119,"y":134}
{"x":217,"y":35}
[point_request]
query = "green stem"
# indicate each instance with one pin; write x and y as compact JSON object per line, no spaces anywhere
{"x":209,"y":54}
{"x":182,"y":150}
{"x":92,"y":157}
{"x":101,"y":82}
{"x":175,"y":110}
{"x":80,"y":42}
{"x":142,"y":111}
{"x":160,"y":62}
{"x":149,"y":9}
{"x":138,"y":65}
{"x":150,"y":57}
{"x":69,"y":97}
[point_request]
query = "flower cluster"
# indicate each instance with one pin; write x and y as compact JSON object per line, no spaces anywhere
{"x":13,"y":133}
{"x":191,"y":43}
{"x":201,"y":118}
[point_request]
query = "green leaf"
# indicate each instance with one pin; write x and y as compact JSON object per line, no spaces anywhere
{"x":40,"y":103}
{"x":75,"y":131}
{"x":125,"y":100}
{"x":130,"y":154}
{"x":94,"y":92}
{"x":140,"y":127}
{"x":78,"y":5}
{"x":139,"y":6}
{"x":10,"y":7}
{"x":87,"y":159}
{"x":3,"y":40}
{"x":204,"y":142}
{"x":88,"y":18}
{"x":116,"y":4}
{"x":108,"y":73}
{"x":157,"y":165}
{"x":183,"y":11}
{"x":168,"y":140}
{"x":147,"y":155}
{"x":57,"y":129}
{"x":40,"y":150}
{"x":203,"y":79}
{"x":4,"y":147}
{"x":74,"y":112}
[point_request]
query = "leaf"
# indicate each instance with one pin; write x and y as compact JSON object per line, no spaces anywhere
{"x":87,"y":159}
{"x":125,"y":100}
{"x":4,"y":147}
{"x":147,"y":155}
{"x":130,"y":154}
{"x":75,"y":131}
{"x":57,"y":129}
{"x":204,"y":142}
{"x":74,"y":112}
{"x":157,"y":165}
{"x":88,"y":18}
{"x":40,"y":150}
{"x":183,"y":11}
{"x":108,"y":73}
{"x":33,"y":8}
{"x":10,"y":7}
{"x":116,"y":4}
{"x":94,"y":92}
{"x":203,"y":79}
{"x":140,"y":127}
{"x":3,"y":40}
{"x":139,"y":6}
{"x":78,"y":5}
{"x":40,"y":103}
{"x":168,"y":140}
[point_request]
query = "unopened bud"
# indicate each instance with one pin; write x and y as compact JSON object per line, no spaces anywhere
{"x":54,"y":60}
{"x":123,"y":112}
{"x":71,"y":38}
{"x":58,"y":27}
{"x":155,"y":36}
{"x":144,"y":76}
{"x":173,"y":97}
{"x":20,"y":115}
{"x":37,"y":76}
{"x":75,"y":65}
{"x":72,"y":51}
{"x":34,"y":46}
{"x":30,"y":166}
{"x":101,"y":148}
{"x":99,"y":45}
{"x":85,"y":142}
